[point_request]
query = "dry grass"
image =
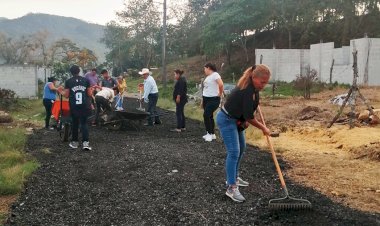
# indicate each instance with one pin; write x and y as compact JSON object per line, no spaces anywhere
{"x":339,"y":162}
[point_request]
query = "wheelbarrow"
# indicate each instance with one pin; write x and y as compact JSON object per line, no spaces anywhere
{"x":115,"y":120}
{"x":61,"y":114}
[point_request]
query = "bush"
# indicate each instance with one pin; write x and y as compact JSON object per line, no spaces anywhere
{"x":306,"y":82}
{"x":8,"y":99}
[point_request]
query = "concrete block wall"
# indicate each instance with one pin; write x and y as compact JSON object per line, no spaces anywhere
{"x":42,"y":73}
{"x":342,"y":74}
{"x":321,"y":56}
{"x":285,"y":64}
{"x":374,"y":62}
{"x":368,"y":57}
{"x":22,"y":80}
{"x":341,"y":55}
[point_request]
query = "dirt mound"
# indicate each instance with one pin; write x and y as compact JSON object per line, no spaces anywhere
{"x":315,"y":113}
{"x":370,"y":151}
{"x":154,"y":177}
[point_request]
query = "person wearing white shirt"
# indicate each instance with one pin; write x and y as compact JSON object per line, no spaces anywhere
{"x":212,"y":92}
{"x":150,"y":96}
{"x":103,"y":100}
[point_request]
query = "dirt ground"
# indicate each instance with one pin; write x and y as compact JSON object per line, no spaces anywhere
{"x":156,"y":177}
{"x":339,"y":162}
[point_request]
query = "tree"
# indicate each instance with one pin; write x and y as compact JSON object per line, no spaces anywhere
{"x":142,"y":23}
{"x":60,"y":49}
{"x":15,"y":51}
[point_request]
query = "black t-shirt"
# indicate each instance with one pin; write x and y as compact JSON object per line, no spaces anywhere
{"x":78,"y":99}
{"x":180,"y":88}
{"x":241,"y":104}
{"x":109,"y":83}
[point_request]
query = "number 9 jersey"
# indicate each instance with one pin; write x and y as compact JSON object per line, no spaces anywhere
{"x":80,"y":103}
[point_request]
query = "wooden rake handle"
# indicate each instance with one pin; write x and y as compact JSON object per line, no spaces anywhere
{"x":273,"y":153}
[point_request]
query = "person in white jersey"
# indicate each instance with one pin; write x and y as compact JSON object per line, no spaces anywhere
{"x":212,"y":92}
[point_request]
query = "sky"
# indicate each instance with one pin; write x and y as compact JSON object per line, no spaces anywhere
{"x":93,"y":11}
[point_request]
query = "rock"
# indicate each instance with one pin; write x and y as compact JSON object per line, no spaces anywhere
{"x":275,"y":134}
{"x":338,"y":194}
{"x":363,"y":115}
{"x":374,"y":120}
{"x":29,"y":131}
{"x":5,"y":117}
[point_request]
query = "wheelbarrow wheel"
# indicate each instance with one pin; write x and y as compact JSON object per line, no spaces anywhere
{"x":115,"y":123}
{"x":66,"y":132}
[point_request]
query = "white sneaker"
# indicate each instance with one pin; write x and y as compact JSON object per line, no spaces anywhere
{"x":73,"y":144}
{"x":242,"y":183}
{"x":208,"y":138}
{"x":204,"y":137}
{"x":234,"y":194}
{"x":86,"y":146}
{"x":213,"y":136}
{"x":119,"y":109}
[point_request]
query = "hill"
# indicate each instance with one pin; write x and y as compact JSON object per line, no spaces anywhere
{"x":80,"y":32}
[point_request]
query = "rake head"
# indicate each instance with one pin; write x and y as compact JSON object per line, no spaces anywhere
{"x":289,"y":203}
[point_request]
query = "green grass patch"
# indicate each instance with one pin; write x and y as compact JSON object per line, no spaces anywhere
{"x":166,"y":104}
{"x":12,"y":139}
{"x":15,"y":165}
{"x":194,"y":111}
{"x":13,"y":178}
{"x":282,"y":89}
{"x":32,"y":110}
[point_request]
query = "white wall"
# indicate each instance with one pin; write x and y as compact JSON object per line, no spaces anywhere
{"x":372,"y":56}
{"x":43,"y":73}
{"x":22,"y":80}
{"x":286,"y":64}
{"x":321,"y":56}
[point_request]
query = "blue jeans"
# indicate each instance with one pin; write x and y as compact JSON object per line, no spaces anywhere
{"x":119,"y":100}
{"x":234,"y":142}
{"x":153,"y":98}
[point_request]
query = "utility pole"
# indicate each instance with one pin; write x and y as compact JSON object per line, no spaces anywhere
{"x":164,"y":46}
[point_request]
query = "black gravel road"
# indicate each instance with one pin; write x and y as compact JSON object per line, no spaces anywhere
{"x":157,"y":177}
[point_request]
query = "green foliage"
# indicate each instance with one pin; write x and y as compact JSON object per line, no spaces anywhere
{"x":282,"y":89}
{"x":61,"y":71}
{"x":135,"y":44}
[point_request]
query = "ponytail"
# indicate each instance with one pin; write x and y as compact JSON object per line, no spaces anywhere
{"x":254,"y":71}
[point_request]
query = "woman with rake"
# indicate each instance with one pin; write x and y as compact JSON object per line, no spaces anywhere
{"x":234,"y":117}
